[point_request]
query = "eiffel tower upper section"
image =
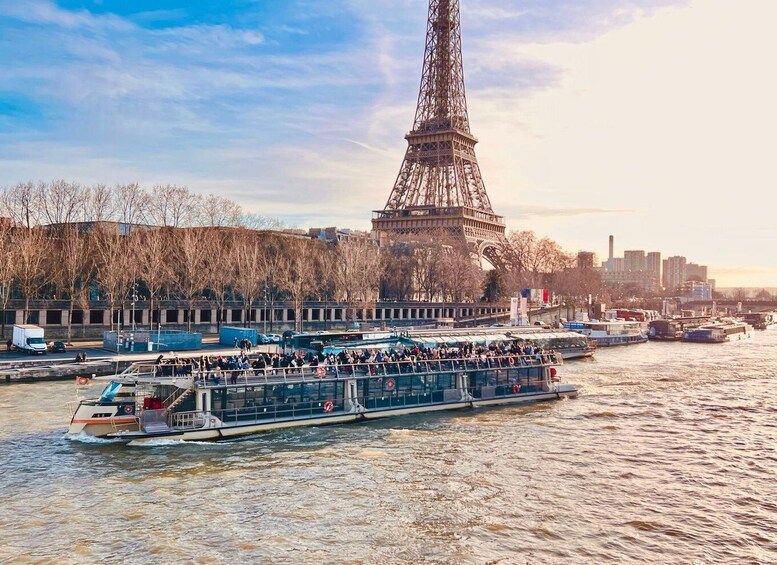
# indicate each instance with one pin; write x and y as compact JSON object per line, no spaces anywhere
{"x":439,"y":185}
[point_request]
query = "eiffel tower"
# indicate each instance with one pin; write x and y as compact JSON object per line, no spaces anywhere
{"x":439,"y":187}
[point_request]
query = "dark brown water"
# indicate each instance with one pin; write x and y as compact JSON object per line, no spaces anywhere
{"x":668,"y":456}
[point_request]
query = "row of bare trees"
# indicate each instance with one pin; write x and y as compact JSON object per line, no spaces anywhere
{"x":165,"y":205}
{"x":73,"y":242}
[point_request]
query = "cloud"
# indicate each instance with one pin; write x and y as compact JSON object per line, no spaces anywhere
{"x":594,"y":116}
{"x":517,"y":212}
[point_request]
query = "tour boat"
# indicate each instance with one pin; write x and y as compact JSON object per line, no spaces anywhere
{"x":570,"y":344}
{"x":148,"y":402}
{"x":719,"y":332}
{"x":611,"y":332}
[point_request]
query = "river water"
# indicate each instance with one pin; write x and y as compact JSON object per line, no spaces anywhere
{"x":669,"y":455}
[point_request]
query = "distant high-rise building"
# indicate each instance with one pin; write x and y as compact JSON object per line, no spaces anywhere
{"x":609,"y":265}
{"x":674,"y":272}
{"x":585,"y":260}
{"x":617,"y":265}
{"x":634,"y":261}
{"x":695,"y":272}
{"x":653,"y":261}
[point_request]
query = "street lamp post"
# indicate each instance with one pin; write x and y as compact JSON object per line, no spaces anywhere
{"x":134,"y":301}
{"x":264,"y":311}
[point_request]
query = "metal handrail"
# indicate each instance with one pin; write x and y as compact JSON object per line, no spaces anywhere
{"x":360,"y":370}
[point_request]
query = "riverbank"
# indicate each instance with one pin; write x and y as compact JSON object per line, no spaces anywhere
{"x":16,"y":368}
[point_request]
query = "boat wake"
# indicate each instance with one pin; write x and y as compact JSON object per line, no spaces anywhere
{"x":161,"y":442}
{"x":85,"y":438}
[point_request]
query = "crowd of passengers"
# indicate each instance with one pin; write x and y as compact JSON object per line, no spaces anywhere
{"x":216,"y":368}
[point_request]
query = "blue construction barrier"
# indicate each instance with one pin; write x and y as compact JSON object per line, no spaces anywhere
{"x":145,"y":340}
{"x":228,"y":335}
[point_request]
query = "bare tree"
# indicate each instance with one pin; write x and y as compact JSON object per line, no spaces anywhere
{"x":7,"y":267}
{"x":739,"y":294}
{"x":427,"y":270}
{"x":152,"y":255}
{"x":277,"y":252}
{"x":539,"y":260}
{"x":398,"y":267}
{"x":72,"y":267}
{"x":461,"y":276}
{"x":219,"y":268}
{"x":30,"y":256}
{"x":101,"y":203}
{"x":763,"y":294}
{"x":356,"y":270}
{"x":172,"y":206}
{"x":260,"y":223}
{"x":299,"y":281}
{"x":190,"y":252}
{"x":110,"y":251}
{"x":250,"y":269}
{"x":21,"y":203}
{"x":219,"y":212}
{"x":62,"y":202}
{"x":132,"y":203}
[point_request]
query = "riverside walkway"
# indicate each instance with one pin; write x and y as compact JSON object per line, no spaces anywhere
{"x":18,"y":367}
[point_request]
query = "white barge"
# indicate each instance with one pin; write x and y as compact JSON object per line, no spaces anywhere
{"x":609,"y":333}
{"x":719,"y":332}
{"x":180,"y":402}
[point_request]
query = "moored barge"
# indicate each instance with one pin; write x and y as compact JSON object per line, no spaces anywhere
{"x":672,"y":329}
{"x":759,"y":320}
{"x":720,"y":332}
{"x":610,"y":333}
{"x":148,"y":402}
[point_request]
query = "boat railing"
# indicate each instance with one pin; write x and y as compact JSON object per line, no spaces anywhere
{"x":187,"y":420}
{"x":72,"y":407}
{"x":218,"y":377}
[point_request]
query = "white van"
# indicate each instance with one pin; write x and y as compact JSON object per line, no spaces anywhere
{"x":28,"y":338}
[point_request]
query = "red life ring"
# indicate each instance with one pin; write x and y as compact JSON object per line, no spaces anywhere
{"x":511,"y":360}
{"x":329,"y":406}
{"x":82,"y":381}
{"x":389,"y":384}
{"x":516,"y":389}
{"x":128,"y":409}
{"x":320,"y":371}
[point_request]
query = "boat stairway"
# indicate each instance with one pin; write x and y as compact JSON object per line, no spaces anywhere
{"x":183,"y":396}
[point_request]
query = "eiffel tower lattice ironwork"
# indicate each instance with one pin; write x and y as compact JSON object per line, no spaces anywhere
{"x":439,"y":186}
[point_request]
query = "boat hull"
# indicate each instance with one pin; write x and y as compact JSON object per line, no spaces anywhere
{"x":614,"y":341}
{"x":226,"y":432}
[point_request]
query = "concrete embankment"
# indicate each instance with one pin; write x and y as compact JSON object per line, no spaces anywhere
{"x":42,"y":369}
{"x":58,"y":372}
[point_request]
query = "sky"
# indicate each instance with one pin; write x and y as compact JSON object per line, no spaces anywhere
{"x":651,"y":120}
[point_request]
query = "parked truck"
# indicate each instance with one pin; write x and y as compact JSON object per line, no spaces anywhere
{"x":28,"y":338}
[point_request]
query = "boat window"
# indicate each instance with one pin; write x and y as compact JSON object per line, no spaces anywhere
{"x":404,"y":385}
{"x":110,"y":392}
{"x":327,"y":390}
{"x":275,"y":394}
{"x":444,"y":381}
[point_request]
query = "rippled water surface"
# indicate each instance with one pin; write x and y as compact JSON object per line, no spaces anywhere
{"x":669,"y":455}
